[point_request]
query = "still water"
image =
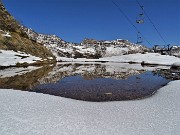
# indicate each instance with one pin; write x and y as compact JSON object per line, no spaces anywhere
{"x":89,"y":82}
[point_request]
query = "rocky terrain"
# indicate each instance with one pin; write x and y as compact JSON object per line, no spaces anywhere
{"x":14,"y":36}
{"x":175,"y":51}
{"x":88,"y":48}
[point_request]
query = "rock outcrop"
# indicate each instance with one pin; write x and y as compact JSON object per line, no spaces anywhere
{"x":88,"y":48}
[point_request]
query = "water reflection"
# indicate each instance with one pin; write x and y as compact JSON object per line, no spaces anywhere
{"x":90,"y":72}
{"x":172,"y":74}
{"x":100,"y":82}
{"x":23,"y":78}
{"x":88,"y":82}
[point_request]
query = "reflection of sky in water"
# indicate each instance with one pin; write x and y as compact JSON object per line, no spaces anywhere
{"x":104,"y":89}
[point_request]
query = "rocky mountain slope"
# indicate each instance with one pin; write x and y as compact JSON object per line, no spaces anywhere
{"x":12,"y":37}
{"x":88,"y":48}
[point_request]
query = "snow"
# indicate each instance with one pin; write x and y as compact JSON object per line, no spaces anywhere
{"x":5,"y":34}
{"x":176,"y":64}
{"x":10,"y":58}
{"x":83,"y":50}
{"x":110,"y":51}
{"x":39,"y":114}
{"x":149,"y":58}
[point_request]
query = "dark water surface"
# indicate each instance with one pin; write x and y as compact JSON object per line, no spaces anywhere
{"x":104,"y":89}
{"x":89,"y":82}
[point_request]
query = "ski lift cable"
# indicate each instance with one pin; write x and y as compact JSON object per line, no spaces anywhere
{"x":122,"y":12}
{"x":160,"y":35}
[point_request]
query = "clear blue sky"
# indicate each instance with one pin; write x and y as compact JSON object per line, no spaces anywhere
{"x":74,"y":20}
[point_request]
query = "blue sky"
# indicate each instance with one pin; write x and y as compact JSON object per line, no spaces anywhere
{"x":74,"y":20}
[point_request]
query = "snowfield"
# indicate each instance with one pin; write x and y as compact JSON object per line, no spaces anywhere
{"x":11,"y":58}
{"x":115,"y":51}
{"x":148,"y":58}
{"x":39,"y":114}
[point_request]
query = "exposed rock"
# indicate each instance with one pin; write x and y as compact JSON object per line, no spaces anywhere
{"x":175,"y":51}
{"x":88,"y":48}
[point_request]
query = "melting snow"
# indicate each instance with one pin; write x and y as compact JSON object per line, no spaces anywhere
{"x":150,"y":58}
{"x":39,"y":114}
{"x":9,"y":58}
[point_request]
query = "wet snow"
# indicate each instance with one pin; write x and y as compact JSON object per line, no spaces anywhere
{"x":32,"y":113}
{"x":149,"y":58}
{"x":11,"y":58}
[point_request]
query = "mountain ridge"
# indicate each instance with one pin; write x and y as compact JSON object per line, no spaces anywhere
{"x":88,"y":48}
{"x":12,"y":37}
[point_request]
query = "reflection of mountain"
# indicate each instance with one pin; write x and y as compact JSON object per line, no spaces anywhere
{"x":88,"y":72}
{"x":99,"y":82}
{"x":25,"y":81}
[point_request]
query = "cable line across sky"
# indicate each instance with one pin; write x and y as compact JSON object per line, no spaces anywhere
{"x":158,"y":32}
{"x":122,"y":12}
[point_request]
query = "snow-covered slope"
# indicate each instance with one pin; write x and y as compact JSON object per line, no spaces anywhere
{"x":11,"y":58}
{"x":148,"y":58}
{"x":88,"y":48}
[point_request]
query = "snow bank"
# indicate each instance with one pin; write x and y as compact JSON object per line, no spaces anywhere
{"x":149,"y":58}
{"x":32,"y":113}
{"x":10,"y":58}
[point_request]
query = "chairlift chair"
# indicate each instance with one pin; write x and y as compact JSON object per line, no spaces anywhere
{"x":140,"y":18}
{"x":139,"y":21}
{"x":139,"y":41}
{"x":139,"y":38}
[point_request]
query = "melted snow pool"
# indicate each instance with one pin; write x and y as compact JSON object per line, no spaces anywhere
{"x":98,"y":82}
{"x":104,"y":89}
{"x":88,"y":82}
